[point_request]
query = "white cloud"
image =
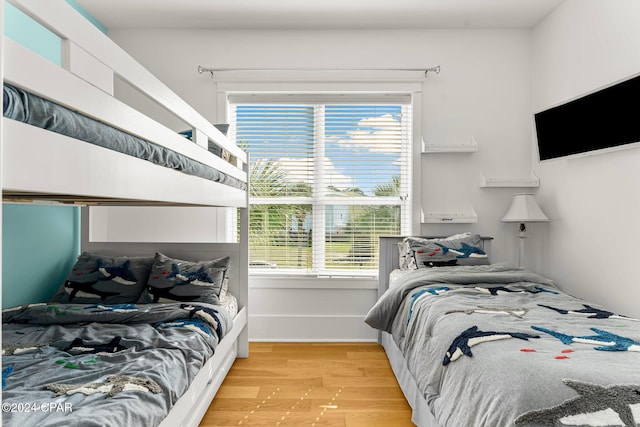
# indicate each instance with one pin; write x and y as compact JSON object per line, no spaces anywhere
{"x":299,"y":170}
{"x":373,"y":133}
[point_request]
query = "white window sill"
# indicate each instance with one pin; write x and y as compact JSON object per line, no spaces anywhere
{"x":305,"y":281}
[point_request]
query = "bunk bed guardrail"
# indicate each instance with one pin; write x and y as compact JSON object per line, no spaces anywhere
{"x":84,"y":83}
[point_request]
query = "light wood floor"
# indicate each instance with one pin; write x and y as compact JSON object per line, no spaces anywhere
{"x":310,"y":384}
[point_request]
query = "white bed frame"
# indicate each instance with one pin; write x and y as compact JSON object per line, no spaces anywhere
{"x":69,"y":169}
{"x":192,"y":406}
{"x":388,"y":261}
{"x":41,"y":165}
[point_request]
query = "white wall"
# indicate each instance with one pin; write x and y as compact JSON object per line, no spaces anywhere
{"x":483,"y":92}
{"x":152,"y":224}
{"x":594,"y":201}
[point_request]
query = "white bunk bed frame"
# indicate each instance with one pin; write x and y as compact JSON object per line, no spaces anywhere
{"x":76,"y":172}
{"x":388,"y":261}
{"x":193,"y":404}
{"x":85,"y":82}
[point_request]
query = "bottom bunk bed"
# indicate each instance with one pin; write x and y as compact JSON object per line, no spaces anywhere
{"x":131,"y":338}
{"x":495,"y":345}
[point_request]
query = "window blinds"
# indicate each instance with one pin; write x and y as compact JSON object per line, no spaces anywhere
{"x":328,"y":175}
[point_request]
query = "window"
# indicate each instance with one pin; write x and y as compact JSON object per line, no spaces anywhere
{"x":327,"y":177}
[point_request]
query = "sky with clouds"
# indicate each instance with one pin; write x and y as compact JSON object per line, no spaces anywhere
{"x":357,"y":152}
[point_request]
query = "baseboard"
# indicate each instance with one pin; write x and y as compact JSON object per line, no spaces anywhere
{"x":329,"y":340}
{"x":310,"y":328}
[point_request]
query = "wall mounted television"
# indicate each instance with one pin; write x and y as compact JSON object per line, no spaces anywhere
{"x":603,"y":119}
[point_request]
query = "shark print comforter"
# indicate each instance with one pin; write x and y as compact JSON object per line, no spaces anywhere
{"x":99,"y":365}
{"x":493,"y":345}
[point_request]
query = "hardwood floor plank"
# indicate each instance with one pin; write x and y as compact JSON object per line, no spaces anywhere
{"x":350,"y":393}
{"x":374,"y":393}
{"x":296,"y":392}
{"x":364,"y":419}
{"x":331,"y":380}
{"x":228,"y":419}
{"x":332,"y":364}
{"x":310,"y":384}
{"x":288,"y":372}
{"x":360,"y":405}
{"x":366,"y":355}
{"x":233,"y":392}
{"x":264,"y":405}
{"x":274,"y":382}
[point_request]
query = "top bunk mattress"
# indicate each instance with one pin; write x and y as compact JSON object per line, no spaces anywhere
{"x":26,"y":107}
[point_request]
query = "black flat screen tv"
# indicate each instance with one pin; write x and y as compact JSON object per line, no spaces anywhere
{"x":607,"y":118}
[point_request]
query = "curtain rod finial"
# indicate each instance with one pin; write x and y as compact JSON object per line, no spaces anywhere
{"x":201,"y":70}
{"x":435,"y":69}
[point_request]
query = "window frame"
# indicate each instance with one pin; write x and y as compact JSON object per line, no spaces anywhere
{"x":332,"y":82}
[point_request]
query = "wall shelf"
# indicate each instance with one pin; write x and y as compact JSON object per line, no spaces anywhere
{"x":470,"y":147}
{"x":509,"y":182}
{"x":459,"y":217}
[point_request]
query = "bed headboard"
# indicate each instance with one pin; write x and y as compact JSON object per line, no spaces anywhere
{"x":389,"y":258}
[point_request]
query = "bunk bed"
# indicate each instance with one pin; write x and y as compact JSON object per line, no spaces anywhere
{"x":44,"y":162}
{"x":492,"y":344}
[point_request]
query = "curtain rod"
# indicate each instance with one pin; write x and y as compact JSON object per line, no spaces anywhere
{"x":211,"y":71}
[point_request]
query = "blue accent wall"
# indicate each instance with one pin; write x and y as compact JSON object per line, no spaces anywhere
{"x":24,"y":30}
{"x":39,"y":246}
{"x":39,"y":242}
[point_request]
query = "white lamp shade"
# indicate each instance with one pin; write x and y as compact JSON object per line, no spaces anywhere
{"x":524,"y":208}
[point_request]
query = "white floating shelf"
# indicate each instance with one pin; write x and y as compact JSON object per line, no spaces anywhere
{"x":506,"y":182}
{"x":471,"y":147}
{"x":469,"y":217}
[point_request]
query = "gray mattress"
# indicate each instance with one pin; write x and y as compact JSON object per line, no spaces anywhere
{"x":26,"y":107}
{"x":500,"y":346}
{"x":94,"y":365}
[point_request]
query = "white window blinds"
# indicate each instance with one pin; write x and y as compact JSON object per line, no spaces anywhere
{"x":329,"y":173}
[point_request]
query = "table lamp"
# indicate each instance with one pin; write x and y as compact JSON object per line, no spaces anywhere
{"x":523,"y":209}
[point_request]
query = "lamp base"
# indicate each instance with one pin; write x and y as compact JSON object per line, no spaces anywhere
{"x":521,"y":237}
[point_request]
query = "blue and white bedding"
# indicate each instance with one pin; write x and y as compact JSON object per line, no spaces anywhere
{"x":493,"y":345}
{"x":98,"y":365}
{"x":26,"y":107}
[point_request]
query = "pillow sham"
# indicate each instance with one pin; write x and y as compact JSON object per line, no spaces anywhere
{"x":174,"y":280}
{"x":459,"y":249}
{"x":104,"y":279}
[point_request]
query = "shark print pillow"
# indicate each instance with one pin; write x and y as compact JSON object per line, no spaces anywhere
{"x":459,"y":249}
{"x":105,"y":279}
{"x":175,"y":280}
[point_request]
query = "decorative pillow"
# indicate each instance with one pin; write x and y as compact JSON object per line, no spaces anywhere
{"x":174,"y":280}
{"x":187,"y":133}
{"x":222,"y":127}
{"x":224,"y":290}
{"x":215,"y":149}
{"x":105,"y":279}
{"x":459,"y":249}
